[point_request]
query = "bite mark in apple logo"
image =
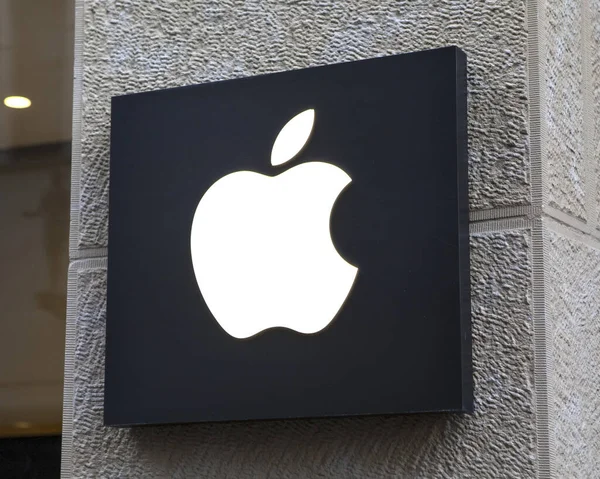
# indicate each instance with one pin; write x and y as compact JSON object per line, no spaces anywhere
{"x":261,"y":246}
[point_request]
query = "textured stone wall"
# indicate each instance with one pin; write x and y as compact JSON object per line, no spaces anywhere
{"x":594,"y":102}
{"x":572,"y":244}
{"x":564,"y":115}
{"x":133,"y":46}
{"x":572,"y":112}
{"x":497,"y":441}
{"x":534,"y":128}
{"x":574,"y":326}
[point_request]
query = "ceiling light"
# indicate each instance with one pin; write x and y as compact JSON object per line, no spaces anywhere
{"x":17,"y":102}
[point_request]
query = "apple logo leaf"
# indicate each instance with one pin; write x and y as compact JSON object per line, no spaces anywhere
{"x":292,"y":137}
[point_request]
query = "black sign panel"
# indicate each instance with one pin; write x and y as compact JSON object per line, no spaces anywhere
{"x":291,"y":245}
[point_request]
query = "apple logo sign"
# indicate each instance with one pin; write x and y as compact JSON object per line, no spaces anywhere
{"x":261,"y":245}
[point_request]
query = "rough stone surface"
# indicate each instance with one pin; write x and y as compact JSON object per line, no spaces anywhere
{"x":133,"y":46}
{"x":574,"y":322}
{"x":595,"y":86}
{"x":564,"y":106}
{"x":498,"y":441}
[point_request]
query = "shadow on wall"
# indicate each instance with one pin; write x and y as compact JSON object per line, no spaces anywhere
{"x":355,"y":446}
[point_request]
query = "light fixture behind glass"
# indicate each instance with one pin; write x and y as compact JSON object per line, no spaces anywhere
{"x":17,"y":102}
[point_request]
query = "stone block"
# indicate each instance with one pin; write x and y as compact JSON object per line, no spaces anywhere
{"x":594,"y":50}
{"x":498,"y":440}
{"x":573,"y":319}
{"x":564,"y":107}
{"x":139,"y":46}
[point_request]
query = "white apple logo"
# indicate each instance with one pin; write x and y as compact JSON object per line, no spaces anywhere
{"x":261,"y":246}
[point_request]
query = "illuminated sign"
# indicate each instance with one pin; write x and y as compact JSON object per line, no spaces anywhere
{"x":261,"y":245}
{"x":291,"y":245}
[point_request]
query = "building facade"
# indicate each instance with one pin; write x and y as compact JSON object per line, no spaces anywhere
{"x":534,"y":151}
